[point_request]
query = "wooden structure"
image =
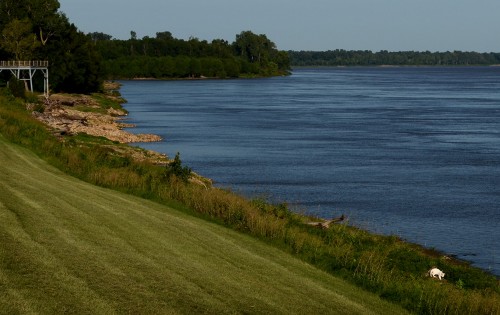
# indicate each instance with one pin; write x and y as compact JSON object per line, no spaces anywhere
{"x":25,"y":71}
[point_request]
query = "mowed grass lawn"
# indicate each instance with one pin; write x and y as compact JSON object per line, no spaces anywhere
{"x":70,"y":247}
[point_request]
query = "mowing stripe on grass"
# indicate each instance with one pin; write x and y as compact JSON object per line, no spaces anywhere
{"x":67,"y":246}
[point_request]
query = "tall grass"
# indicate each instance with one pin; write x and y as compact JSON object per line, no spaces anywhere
{"x":386,"y":265}
{"x":71,"y":247}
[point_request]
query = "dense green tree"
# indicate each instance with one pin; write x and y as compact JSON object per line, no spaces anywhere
{"x":74,"y":62}
{"x":195,"y":67}
{"x":10,"y":10}
{"x":43,"y":14}
{"x":164,"y":36}
{"x":182,"y":66}
{"x":35,"y":29}
{"x":168,"y":57}
{"x":97,"y":36}
{"x":255,"y":48}
{"x":79,"y":62}
{"x":18,"y":39}
{"x":384,"y":57}
{"x":259,"y":50}
{"x":282,"y":60}
{"x":221,"y":48}
{"x":167,"y":66}
{"x":232,"y":67}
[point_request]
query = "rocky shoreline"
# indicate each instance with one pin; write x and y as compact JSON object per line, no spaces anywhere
{"x":60,"y":113}
{"x":71,"y":114}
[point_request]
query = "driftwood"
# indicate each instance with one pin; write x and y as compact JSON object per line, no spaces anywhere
{"x":326,"y":224}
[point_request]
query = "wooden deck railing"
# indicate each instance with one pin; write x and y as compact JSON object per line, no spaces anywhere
{"x":30,"y":63}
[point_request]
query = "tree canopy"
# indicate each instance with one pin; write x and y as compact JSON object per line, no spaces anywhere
{"x":342,"y":57}
{"x":165,"y":56}
{"x":18,"y":40}
{"x":36,"y":30}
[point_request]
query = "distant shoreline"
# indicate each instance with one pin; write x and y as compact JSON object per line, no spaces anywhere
{"x":393,"y":66}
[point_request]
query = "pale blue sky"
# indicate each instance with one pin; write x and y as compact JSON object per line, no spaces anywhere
{"x":394,"y":25}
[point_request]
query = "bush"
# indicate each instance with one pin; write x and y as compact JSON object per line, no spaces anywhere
{"x":31,"y":97}
{"x":17,"y":87}
{"x":175,"y":168}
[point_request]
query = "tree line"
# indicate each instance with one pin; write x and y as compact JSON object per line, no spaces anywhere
{"x":79,"y":62}
{"x":165,"y":56}
{"x":37,"y":30}
{"x":342,"y":57}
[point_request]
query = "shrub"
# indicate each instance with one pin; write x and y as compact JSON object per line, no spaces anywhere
{"x":175,"y":168}
{"x":17,"y":87}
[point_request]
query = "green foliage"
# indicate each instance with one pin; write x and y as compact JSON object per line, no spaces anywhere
{"x":35,"y":30}
{"x":18,"y":39}
{"x":408,"y":260}
{"x":168,"y":57}
{"x":255,"y":48}
{"x":460,"y":284}
{"x":175,"y":168}
{"x":74,"y":63}
{"x":17,"y":87}
{"x":106,"y":103}
{"x":280,"y":210}
{"x":97,"y":36}
{"x":342,"y":57}
{"x":31,"y":97}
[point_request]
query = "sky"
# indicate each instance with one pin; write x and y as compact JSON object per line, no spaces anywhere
{"x":393,"y":25}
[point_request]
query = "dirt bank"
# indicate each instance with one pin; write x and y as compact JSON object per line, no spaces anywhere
{"x":73,"y":114}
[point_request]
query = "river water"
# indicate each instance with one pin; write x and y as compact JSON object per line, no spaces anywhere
{"x":413,"y":152}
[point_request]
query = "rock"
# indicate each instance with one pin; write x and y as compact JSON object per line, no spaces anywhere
{"x":71,"y":121}
{"x":68,"y":103}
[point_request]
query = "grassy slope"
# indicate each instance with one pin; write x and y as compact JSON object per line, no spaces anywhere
{"x":67,"y":246}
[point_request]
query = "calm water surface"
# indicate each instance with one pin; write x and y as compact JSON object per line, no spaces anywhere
{"x":408,"y":151}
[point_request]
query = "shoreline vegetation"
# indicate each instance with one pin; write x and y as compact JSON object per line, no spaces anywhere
{"x":392,"y":66}
{"x":67,"y":246}
{"x":385,"y":265}
{"x":166,"y":57}
{"x":341,"y":57}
